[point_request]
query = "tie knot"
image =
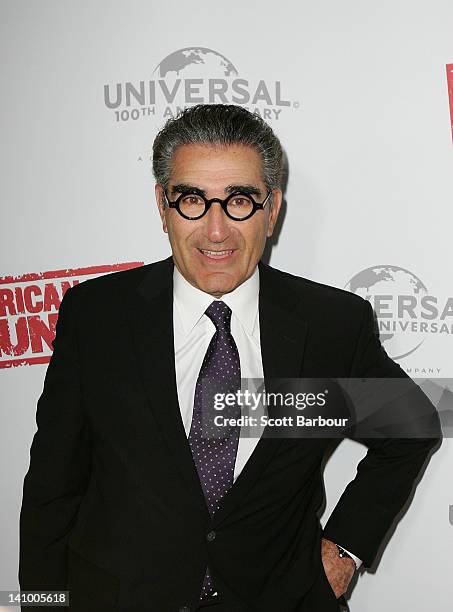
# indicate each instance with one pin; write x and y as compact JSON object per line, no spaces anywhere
{"x":220,"y":315}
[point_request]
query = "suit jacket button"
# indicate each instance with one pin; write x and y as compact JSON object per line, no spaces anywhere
{"x":210,"y":536}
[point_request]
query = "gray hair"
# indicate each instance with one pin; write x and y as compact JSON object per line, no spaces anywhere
{"x":218,"y":124}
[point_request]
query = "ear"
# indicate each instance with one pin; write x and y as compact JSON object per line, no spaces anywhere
{"x":160,"y":199}
{"x":274,"y":210}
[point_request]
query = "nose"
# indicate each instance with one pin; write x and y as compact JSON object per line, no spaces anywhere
{"x":217,"y":226}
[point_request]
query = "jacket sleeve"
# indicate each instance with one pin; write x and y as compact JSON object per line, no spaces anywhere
{"x":387,"y":474}
{"x":59,"y":470}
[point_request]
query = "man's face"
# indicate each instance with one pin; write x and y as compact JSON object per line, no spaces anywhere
{"x":215,"y":253}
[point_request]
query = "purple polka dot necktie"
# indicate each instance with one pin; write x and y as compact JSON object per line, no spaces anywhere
{"x":214,"y":449}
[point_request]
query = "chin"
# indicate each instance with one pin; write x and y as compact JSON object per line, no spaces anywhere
{"x":218,"y":286}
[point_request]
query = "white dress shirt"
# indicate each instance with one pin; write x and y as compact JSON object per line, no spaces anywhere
{"x":193,"y":331}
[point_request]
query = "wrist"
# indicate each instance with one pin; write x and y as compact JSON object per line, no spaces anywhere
{"x":343,"y":554}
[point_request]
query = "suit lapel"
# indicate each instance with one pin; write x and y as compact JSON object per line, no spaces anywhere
{"x":282,"y":337}
{"x":282,"y":326}
{"x":151,"y":322}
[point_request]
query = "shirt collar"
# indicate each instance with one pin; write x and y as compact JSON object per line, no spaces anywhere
{"x":191,"y":302}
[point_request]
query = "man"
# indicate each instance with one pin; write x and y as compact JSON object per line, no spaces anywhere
{"x":126,"y":503}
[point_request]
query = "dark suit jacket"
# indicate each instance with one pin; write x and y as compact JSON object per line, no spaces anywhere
{"x":112,"y":506}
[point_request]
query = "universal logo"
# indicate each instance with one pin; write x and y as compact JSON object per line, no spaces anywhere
{"x":407,"y":312}
{"x":194,"y":75}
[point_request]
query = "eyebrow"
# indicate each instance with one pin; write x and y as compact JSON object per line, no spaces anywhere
{"x":185,"y":188}
{"x":247,"y":189}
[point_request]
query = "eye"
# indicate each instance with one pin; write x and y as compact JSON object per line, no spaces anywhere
{"x":240,"y":201}
{"x":192,"y":199}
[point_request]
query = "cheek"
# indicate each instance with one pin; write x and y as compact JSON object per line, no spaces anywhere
{"x":254,"y":236}
{"x":180,"y":234}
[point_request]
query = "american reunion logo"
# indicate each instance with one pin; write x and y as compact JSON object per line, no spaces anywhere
{"x":29,"y":306}
{"x":450,"y":92}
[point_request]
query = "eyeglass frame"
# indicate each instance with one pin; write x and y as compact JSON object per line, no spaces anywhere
{"x":223,"y":204}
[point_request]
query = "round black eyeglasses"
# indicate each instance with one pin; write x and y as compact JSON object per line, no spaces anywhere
{"x":237,"y":206}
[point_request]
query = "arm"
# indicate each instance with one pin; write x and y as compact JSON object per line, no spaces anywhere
{"x":387,"y":474}
{"x":59,"y":465}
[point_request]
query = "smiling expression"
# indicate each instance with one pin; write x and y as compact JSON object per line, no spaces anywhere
{"x":215,"y":253}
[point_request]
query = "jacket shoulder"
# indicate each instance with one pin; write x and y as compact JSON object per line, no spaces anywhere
{"x":117,"y":283}
{"x":315,"y":292}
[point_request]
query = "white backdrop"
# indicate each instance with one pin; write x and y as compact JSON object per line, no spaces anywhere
{"x":357,"y":92}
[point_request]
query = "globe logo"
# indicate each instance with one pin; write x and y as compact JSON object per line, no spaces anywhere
{"x":401,"y":303}
{"x":193,"y":62}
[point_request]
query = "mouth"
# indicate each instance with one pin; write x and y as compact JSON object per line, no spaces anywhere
{"x":210,"y":254}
